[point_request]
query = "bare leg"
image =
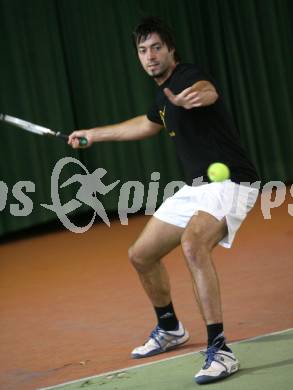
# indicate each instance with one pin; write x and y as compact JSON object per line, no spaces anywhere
{"x":200,"y":236}
{"x":156,"y":240}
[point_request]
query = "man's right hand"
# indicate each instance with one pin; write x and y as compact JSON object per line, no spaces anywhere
{"x":73,"y":138}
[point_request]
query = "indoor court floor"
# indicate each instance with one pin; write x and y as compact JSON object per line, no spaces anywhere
{"x":72,"y":306}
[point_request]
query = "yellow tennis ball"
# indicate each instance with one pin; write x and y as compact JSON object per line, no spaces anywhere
{"x":218,"y":172}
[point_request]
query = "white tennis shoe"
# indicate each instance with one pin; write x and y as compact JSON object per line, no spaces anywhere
{"x":161,"y":341}
{"x":218,"y":364}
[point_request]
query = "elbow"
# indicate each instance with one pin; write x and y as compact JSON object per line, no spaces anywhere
{"x":214,"y":97}
{"x":210,"y":96}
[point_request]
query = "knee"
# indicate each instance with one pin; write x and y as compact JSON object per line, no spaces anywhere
{"x":138,"y":259}
{"x":195,"y":248}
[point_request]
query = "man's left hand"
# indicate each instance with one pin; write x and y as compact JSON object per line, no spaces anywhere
{"x":200,"y":94}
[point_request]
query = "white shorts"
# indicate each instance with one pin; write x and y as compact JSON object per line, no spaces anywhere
{"x":222,"y":200}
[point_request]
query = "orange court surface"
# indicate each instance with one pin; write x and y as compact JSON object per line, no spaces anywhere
{"x":72,"y":306}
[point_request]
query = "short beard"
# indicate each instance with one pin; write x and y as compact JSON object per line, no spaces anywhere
{"x":158,"y":75}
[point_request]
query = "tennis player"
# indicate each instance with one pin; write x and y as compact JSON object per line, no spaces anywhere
{"x":189,"y":105}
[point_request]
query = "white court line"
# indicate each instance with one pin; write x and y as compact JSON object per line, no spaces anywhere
{"x":157,"y":361}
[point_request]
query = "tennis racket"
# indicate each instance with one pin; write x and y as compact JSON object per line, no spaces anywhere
{"x":36,"y":129}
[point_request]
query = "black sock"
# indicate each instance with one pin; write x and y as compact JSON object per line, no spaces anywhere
{"x":166,"y":316}
{"x":215,"y":330}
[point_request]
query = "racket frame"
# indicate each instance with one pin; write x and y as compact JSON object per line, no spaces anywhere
{"x":37,"y":129}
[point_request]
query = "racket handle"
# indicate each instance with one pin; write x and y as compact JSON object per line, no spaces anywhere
{"x":82,"y":140}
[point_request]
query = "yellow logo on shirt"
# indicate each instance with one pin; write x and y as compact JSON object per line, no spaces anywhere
{"x":162,"y":116}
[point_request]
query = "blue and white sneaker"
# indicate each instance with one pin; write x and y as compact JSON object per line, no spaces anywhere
{"x":161,"y":341}
{"x":218,"y":364}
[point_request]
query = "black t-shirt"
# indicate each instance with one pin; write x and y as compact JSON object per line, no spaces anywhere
{"x":202,"y":135}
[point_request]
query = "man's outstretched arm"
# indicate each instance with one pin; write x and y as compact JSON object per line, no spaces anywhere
{"x":136,"y":128}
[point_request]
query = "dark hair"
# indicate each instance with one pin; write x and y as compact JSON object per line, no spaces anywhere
{"x":154,"y":25}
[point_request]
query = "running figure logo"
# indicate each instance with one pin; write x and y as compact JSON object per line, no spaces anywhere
{"x":91,"y":185}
